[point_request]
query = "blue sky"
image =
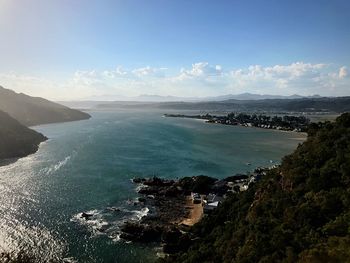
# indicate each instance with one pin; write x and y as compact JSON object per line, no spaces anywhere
{"x":181,"y":48}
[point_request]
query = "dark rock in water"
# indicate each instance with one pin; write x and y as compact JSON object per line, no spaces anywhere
{"x":148,"y":190}
{"x":155,"y":181}
{"x":138,"y":180}
{"x":86,"y":215}
{"x":140,"y":232}
{"x":103,"y":228}
{"x":142,"y":200}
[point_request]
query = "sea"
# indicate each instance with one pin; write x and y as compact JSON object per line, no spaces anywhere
{"x":87,"y":166}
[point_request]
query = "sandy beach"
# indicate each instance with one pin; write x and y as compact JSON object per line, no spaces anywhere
{"x":196,"y":213}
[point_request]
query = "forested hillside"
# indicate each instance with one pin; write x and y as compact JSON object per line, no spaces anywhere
{"x":299,"y":212}
{"x":16,"y":140}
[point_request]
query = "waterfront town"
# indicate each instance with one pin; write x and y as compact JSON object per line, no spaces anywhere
{"x":284,"y":123}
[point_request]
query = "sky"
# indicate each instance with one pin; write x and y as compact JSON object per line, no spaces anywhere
{"x":104,"y":49}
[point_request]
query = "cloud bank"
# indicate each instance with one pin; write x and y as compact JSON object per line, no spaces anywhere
{"x":200,"y":79}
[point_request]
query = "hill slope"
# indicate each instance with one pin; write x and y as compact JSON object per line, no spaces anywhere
{"x":299,"y":212}
{"x":33,"y":110}
{"x":17,"y":140}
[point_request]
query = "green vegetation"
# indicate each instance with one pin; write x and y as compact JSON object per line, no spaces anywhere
{"x":33,"y":111}
{"x":298,"y":212}
{"x":17,"y":140}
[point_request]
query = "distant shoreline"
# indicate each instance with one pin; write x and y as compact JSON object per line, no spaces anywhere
{"x":198,"y":118}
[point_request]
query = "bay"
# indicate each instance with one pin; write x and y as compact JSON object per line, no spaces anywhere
{"x":87,"y":166}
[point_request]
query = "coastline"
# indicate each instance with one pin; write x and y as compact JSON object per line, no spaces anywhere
{"x":8,"y":161}
{"x":302,"y":127}
{"x":177,"y":205}
{"x":11,"y":160}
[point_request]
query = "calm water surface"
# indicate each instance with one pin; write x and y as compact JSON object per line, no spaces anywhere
{"x":87,"y":166}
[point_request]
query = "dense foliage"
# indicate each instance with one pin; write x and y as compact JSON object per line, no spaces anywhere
{"x":17,"y":140}
{"x":298,"y":212}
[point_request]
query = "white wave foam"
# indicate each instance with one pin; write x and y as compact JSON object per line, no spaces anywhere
{"x":139,"y":214}
{"x":58,"y":165}
{"x":139,"y":187}
{"x":99,"y":224}
{"x":95,"y":223}
{"x":69,"y":260}
{"x":115,"y":238}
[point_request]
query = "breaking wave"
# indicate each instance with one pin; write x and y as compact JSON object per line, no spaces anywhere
{"x":108,"y":221}
{"x":57,"y":166}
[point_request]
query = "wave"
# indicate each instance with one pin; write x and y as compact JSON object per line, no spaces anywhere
{"x":94,"y":222}
{"x":57,"y":166}
{"x":69,"y":260}
{"x":108,"y":221}
{"x":139,"y":214}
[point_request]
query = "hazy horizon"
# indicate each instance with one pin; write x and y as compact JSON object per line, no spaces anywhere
{"x":93,"y":49}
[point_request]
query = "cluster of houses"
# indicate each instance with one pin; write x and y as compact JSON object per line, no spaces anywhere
{"x":286,"y":123}
{"x":222,"y":188}
{"x":223,"y":120}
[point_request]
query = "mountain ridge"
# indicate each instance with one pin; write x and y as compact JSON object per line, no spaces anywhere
{"x":170,"y":98}
{"x":32,"y":111}
{"x":323,"y":104}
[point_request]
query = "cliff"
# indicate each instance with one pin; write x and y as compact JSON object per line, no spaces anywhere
{"x":17,"y":140}
{"x":31,"y":111}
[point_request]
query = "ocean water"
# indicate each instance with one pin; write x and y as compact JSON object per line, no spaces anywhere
{"x":87,"y":166}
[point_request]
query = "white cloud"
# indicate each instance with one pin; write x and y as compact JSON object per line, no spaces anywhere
{"x":201,"y":69}
{"x":342,"y":72}
{"x":302,"y":78}
{"x":201,"y":79}
{"x":85,"y":77}
{"x":143,"y":71}
{"x":118,"y":72}
{"x":149,"y":71}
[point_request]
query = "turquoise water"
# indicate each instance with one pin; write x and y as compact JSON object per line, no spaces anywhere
{"x":87,"y":166}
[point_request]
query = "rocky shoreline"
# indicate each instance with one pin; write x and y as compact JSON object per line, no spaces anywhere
{"x":166,"y":200}
{"x":168,"y":204}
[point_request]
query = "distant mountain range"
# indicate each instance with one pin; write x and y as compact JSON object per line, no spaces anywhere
{"x":318,"y":104}
{"x":251,"y":96}
{"x":34,"y":110}
{"x":158,"y":98}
